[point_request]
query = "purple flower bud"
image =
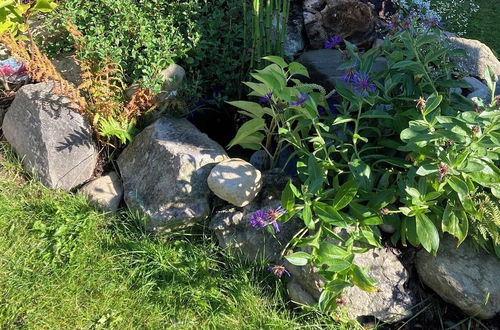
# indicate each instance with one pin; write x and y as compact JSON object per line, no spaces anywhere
{"x":266,"y":98}
{"x":333,"y":41}
{"x":300,"y":99}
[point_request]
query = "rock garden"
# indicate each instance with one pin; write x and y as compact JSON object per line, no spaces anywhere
{"x":347,"y":151}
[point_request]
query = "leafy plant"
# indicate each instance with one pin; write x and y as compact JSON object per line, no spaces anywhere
{"x":14,"y":15}
{"x":398,"y":147}
{"x":145,"y":36}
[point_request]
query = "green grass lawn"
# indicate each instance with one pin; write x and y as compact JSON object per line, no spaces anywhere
{"x":64,"y":265}
{"x":482,"y":25}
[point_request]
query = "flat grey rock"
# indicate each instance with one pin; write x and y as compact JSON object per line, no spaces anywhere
{"x":54,"y":141}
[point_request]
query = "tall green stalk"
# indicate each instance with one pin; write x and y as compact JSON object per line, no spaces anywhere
{"x":267,"y":23}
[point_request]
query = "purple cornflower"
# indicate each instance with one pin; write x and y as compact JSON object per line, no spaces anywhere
{"x":258,"y":219}
{"x":278,"y":270}
{"x":300,"y":99}
{"x":266,"y":98}
{"x":361,"y":83}
{"x":390,"y":26}
{"x":273,"y":215}
{"x":333,"y":41}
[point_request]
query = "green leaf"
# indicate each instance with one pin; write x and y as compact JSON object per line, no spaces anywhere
{"x":45,"y":6}
{"x":409,"y":65}
{"x":252,"y":109}
{"x":288,"y":197}
{"x":248,"y":128}
{"x":277,"y":60}
{"x":453,"y":225}
{"x":361,"y":280}
{"x":259,"y":89}
{"x":345,"y":194}
{"x":298,"y":258}
{"x":362,"y":174}
{"x":427,"y":169}
{"x":427,"y":233}
{"x":307,"y":217}
{"x":329,"y":215}
{"x":316,"y":175}
{"x":327,"y":301}
{"x":329,"y":250}
{"x":432,"y":103}
{"x":296,"y":68}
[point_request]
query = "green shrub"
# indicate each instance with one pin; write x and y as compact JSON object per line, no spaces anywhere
{"x":145,"y":36}
{"x":400,"y":148}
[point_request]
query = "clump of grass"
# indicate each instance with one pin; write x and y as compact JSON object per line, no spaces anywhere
{"x":64,"y":264}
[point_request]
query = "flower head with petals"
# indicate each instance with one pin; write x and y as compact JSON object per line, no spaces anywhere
{"x":333,"y":41}
{"x":361,"y":83}
{"x":278,"y":270}
{"x":300,"y":99}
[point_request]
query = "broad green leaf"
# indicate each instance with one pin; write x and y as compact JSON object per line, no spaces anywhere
{"x":337,"y":265}
{"x":329,"y":250}
{"x":307,"y":217}
{"x":277,"y":60}
{"x":258,"y":89}
{"x":362,"y":174}
{"x":253,"y":109}
{"x":316,"y":175}
{"x":361,"y":280}
{"x":45,"y":6}
{"x":329,"y":215}
{"x":345,"y":194}
{"x":432,"y":103}
{"x":327,"y":301}
{"x":288,"y":197}
{"x":427,"y":233}
{"x":453,"y":225}
{"x":427,"y":169}
{"x":248,"y":128}
{"x":298,"y":258}
{"x":296,"y":68}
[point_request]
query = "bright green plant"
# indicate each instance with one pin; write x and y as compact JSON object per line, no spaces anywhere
{"x":267,"y":21}
{"x":145,"y":36}
{"x":14,"y":15}
{"x":401,"y":148}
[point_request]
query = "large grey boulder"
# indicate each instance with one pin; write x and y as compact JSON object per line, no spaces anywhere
{"x":54,"y":141}
{"x":478,"y":57}
{"x":106,"y":191}
{"x":235,"y":234}
{"x":164,"y":172}
{"x":393,"y":301}
{"x":463,"y":276}
{"x":323,"y":66}
{"x":235,"y":181}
